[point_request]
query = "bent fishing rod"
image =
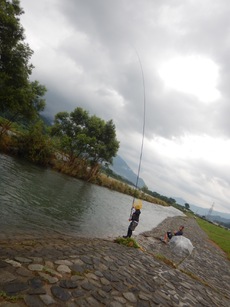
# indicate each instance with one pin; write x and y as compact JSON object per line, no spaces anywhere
{"x":143,"y":127}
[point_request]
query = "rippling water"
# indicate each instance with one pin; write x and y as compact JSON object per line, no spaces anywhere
{"x":42,"y":201}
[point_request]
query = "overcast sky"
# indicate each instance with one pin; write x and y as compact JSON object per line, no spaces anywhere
{"x":86,"y":54}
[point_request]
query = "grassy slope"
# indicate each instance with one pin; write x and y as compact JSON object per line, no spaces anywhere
{"x":219,"y":235}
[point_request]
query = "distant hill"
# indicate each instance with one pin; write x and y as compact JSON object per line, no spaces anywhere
{"x":215,"y":216}
{"x":121,"y":168}
{"x":219,"y":219}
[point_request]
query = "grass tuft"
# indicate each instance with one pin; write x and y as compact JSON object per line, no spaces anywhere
{"x":13,"y":299}
{"x":165,"y":260}
{"x":130,"y":242}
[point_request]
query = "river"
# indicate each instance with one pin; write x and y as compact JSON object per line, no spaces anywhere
{"x":34,"y":200}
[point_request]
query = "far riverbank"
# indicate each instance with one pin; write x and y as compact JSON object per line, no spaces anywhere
{"x":60,"y":164}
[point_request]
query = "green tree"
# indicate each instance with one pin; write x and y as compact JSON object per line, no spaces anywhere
{"x":171,"y":201}
{"x":18,"y":96}
{"x":71,"y":128}
{"x":187,"y":206}
{"x":86,"y":137}
{"x":35,"y":144}
{"x":145,"y":189}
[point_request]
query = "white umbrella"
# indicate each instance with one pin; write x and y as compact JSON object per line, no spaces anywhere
{"x":181,"y":246}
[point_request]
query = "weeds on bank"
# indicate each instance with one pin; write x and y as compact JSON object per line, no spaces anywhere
{"x":116,"y":185}
{"x":130,"y":242}
{"x":10,"y":298}
{"x":165,"y":260}
{"x":81,"y":274}
{"x":193,"y":276}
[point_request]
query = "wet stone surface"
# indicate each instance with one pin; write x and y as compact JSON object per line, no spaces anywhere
{"x":65,"y":271}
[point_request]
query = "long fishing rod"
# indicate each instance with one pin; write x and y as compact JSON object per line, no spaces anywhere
{"x":143,"y":128}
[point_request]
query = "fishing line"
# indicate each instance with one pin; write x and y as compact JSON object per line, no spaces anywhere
{"x":143,"y":127}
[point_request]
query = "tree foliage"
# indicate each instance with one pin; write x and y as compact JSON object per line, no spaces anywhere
{"x":187,"y":206}
{"x":86,"y":137}
{"x":18,"y":96}
{"x":35,"y":144}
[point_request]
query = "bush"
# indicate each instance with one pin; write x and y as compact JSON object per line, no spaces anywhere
{"x":130,"y":242}
{"x":35,"y":145}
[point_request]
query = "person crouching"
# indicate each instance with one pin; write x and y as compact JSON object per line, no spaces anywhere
{"x":168,"y":236}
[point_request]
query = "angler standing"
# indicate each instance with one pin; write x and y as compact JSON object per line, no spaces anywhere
{"x":134,"y":218}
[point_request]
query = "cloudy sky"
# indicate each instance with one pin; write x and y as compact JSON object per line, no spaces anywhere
{"x":86,"y":54}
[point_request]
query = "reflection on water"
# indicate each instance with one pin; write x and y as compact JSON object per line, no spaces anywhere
{"x":37,"y":200}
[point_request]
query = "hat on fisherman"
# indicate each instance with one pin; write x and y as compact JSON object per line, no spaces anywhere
{"x":138,"y":204}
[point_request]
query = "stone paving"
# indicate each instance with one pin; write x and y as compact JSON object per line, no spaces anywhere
{"x":70,"y":271}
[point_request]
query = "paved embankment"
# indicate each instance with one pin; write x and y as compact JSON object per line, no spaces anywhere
{"x":65,"y":271}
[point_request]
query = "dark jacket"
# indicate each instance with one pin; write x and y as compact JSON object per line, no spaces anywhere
{"x":179,"y":233}
{"x":135,"y":215}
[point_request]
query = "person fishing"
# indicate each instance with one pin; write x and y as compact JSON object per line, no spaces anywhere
{"x":134,"y":218}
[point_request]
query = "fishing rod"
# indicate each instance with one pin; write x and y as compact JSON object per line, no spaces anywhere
{"x":143,"y":127}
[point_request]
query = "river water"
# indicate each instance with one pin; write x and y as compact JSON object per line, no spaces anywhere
{"x":35,"y":200}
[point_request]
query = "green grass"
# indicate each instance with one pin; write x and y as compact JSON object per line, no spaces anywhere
{"x":13,"y":299}
{"x":130,"y":242}
{"x":217,"y":234}
{"x":165,"y":260}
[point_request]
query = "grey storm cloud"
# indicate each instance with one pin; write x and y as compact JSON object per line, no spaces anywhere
{"x":87,"y":54}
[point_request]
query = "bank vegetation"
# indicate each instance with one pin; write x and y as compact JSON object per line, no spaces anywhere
{"x":40,"y":145}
